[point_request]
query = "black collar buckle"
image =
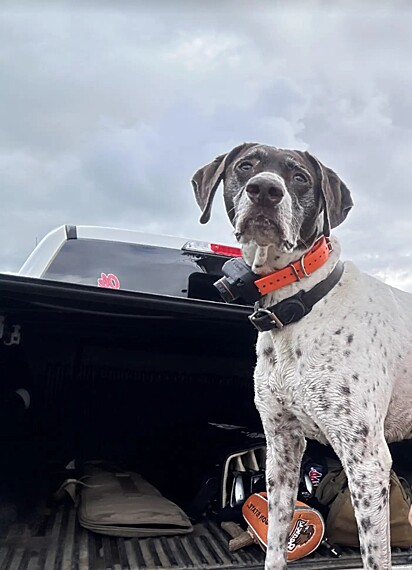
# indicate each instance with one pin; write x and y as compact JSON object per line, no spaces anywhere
{"x":285,"y":312}
{"x":264,"y":320}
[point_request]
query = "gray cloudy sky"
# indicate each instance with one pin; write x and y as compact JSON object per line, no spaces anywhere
{"x":108,"y":108}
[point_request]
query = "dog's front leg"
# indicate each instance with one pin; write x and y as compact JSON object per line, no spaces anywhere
{"x":367,"y":464}
{"x":285,"y":446}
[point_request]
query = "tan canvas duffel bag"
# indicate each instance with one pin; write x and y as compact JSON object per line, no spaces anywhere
{"x":341,"y":527}
{"x":122,"y":503}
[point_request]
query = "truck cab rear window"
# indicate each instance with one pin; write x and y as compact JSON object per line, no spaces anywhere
{"x":136,"y":267}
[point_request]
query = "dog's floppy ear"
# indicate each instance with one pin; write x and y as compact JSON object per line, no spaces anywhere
{"x":336,"y":195}
{"x":206,"y":180}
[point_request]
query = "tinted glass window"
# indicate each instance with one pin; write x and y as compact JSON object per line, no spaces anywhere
{"x":136,"y":267}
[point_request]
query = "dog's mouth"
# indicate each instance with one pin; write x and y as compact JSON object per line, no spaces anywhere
{"x":264,"y":231}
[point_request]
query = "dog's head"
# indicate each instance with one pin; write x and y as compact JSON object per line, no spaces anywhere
{"x":275,"y":198}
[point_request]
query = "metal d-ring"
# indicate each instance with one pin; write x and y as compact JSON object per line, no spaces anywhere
{"x":302,"y":265}
{"x":295,"y":271}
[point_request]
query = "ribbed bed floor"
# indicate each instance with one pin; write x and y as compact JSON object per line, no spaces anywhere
{"x":58,"y":542}
{"x":55,"y":541}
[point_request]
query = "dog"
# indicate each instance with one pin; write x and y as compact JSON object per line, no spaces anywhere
{"x":341,"y":373}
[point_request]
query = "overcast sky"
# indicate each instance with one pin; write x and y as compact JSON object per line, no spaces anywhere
{"x":106,"y":111}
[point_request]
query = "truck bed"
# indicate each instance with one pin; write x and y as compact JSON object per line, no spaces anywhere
{"x":92,"y":360}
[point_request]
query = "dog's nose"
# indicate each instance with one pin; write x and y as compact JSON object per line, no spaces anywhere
{"x":264,"y":190}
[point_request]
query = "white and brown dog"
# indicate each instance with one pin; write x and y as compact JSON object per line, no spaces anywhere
{"x":341,"y":374}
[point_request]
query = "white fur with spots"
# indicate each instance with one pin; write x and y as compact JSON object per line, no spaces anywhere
{"x":341,"y":375}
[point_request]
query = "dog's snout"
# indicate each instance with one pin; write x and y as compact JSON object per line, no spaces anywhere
{"x":265,"y":190}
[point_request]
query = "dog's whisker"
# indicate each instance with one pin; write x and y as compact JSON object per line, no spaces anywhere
{"x":231,"y":210}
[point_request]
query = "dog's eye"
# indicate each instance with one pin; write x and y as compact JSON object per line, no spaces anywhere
{"x":300,"y":177}
{"x":245,"y":165}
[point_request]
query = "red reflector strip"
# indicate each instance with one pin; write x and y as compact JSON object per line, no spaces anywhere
{"x":216,"y":248}
{"x":226,"y":250}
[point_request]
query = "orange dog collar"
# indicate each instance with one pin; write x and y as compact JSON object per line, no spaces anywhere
{"x":305,"y":266}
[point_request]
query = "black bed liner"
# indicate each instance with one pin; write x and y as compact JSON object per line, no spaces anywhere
{"x":57,"y":542}
{"x":58,"y":323}
{"x":54,"y":540}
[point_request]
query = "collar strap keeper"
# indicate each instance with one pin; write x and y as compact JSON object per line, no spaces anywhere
{"x":294,"y":308}
{"x":305,"y":266}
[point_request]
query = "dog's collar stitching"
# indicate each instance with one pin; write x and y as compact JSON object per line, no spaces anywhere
{"x":294,"y":308}
{"x":310,"y":262}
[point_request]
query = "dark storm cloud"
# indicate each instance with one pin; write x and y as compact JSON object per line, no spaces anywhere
{"x":106,"y":112}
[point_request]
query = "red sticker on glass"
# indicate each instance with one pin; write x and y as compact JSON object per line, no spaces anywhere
{"x":109,"y":281}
